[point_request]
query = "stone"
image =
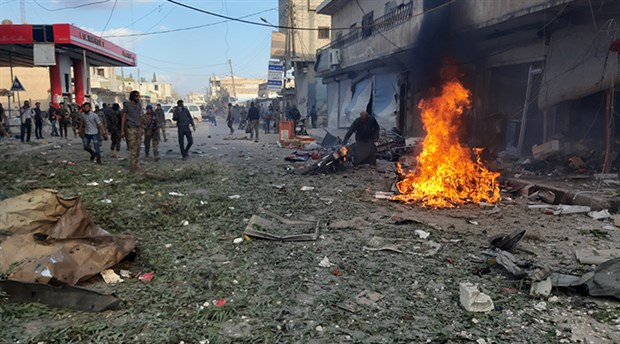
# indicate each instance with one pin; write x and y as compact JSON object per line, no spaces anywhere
{"x":473,"y":300}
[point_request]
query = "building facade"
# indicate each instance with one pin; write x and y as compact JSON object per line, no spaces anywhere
{"x":300,"y":51}
{"x":536,"y":69}
{"x":235,"y":89}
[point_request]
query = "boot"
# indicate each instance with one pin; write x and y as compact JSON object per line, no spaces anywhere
{"x":99,"y":161}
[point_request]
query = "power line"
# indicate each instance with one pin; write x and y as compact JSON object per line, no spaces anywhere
{"x":188,"y":28}
{"x":70,"y":7}
{"x":109,"y":17}
{"x":284,"y":26}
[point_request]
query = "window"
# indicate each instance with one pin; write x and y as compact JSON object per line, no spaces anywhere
{"x":194,"y":108}
{"x":323,"y":32}
{"x":156,"y":87}
{"x":367,"y":21}
{"x":100,"y":71}
{"x":390,"y":6}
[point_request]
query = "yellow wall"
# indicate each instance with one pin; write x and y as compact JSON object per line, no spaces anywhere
{"x":35,"y":80}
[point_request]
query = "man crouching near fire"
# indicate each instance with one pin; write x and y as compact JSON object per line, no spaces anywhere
{"x":366,"y":131}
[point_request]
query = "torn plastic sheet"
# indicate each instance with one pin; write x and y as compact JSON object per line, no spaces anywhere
{"x":50,"y":239}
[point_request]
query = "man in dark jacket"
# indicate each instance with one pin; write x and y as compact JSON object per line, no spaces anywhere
{"x":366,"y":131}
{"x":38,"y":121}
{"x":253,"y":118}
{"x":184,"y":119}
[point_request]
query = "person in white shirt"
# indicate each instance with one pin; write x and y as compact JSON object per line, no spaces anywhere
{"x":89,"y":128}
{"x":25,"y":118}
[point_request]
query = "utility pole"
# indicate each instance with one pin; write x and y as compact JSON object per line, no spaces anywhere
{"x":22,"y":11}
{"x":232,"y":76}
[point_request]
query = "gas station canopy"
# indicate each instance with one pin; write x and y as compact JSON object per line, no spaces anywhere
{"x":20,"y":43}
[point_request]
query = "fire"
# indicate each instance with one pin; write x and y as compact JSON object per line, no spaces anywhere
{"x":446,"y":175}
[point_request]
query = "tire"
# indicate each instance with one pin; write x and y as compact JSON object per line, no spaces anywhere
{"x":310,"y":169}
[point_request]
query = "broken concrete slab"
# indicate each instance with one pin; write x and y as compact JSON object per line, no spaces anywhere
{"x":544,"y":150}
{"x":592,"y":256}
{"x":473,"y":300}
{"x":541,"y":288}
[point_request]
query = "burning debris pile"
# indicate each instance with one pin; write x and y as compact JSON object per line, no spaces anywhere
{"x":445,"y":175}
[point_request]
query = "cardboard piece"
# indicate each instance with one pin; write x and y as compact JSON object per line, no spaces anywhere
{"x":50,"y":239}
{"x":305,"y":230}
{"x":544,"y":150}
{"x":591,"y":256}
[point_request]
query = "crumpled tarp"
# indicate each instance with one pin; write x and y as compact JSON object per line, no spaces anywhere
{"x":45,"y":238}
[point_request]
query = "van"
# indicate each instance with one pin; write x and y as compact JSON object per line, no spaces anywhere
{"x":194,"y":110}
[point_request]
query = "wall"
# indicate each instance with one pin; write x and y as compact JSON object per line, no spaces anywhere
{"x":475,"y":14}
{"x":36,"y":81}
{"x":304,"y":15}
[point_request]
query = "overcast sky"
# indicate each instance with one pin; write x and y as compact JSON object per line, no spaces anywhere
{"x":185,"y":58}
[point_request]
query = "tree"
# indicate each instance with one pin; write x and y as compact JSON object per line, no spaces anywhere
{"x":142,"y":79}
{"x":131,"y":76}
{"x":154,"y":77}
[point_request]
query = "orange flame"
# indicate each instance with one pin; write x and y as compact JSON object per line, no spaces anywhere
{"x":445,"y":174}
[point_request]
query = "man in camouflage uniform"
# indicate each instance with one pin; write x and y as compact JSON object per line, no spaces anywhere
{"x":153,"y":123}
{"x":132,"y":128}
{"x":75,"y":119}
{"x":113,"y":120}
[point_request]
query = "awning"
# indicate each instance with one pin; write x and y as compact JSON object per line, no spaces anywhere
{"x":344,"y":97}
{"x":384,"y":100}
{"x":579,"y":63}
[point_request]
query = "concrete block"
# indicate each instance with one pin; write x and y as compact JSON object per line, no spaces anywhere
{"x":473,"y":300}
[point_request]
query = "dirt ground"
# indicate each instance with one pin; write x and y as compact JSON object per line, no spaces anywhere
{"x":282,"y":292}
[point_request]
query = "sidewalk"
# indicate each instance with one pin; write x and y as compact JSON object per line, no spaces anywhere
{"x":14,"y":147}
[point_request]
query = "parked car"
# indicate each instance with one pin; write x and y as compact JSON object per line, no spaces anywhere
{"x":194,"y":110}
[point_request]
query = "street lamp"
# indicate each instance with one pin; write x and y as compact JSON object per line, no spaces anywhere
{"x":267,"y":22}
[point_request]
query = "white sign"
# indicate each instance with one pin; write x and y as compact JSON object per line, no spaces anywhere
{"x":44,"y":54}
{"x":275,"y":76}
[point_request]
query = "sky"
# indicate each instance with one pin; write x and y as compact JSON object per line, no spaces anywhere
{"x":185,"y":58}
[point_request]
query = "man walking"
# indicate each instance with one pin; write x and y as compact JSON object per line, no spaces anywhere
{"x":89,"y":128}
{"x":253,"y":118}
{"x":113,"y":120}
{"x":75,"y":118}
{"x":38,"y":121}
{"x":25,"y":118}
{"x":132,"y":127}
{"x":152,"y":126}
{"x":230,"y":118}
{"x":184,"y":119}
{"x":51,"y":116}
{"x":366,"y":131}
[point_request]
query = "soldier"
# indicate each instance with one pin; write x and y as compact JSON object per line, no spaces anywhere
{"x":113,"y":120}
{"x":153,"y":123}
{"x":132,"y":128}
{"x":75,"y":119}
{"x":63,"y":119}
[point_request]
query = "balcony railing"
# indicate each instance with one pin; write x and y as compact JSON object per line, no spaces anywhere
{"x":395,"y":17}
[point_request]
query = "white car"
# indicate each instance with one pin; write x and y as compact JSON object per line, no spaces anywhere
{"x":194,"y":110}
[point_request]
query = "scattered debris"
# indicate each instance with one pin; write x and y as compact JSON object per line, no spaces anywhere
{"x":592,"y":256}
{"x":542,"y":151}
{"x":356,"y":222}
{"x":92,"y":184}
{"x":325,"y":263}
{"x":125,"y":273}
{"x":547,"y":196}
{"x":319,"y":328}
{"x":257,"y":225}
{"x":473,"y":222}
{"x":368,"y":298}
{"x":176,"y":194}
{"x":541,"y":288}
{"x":146,"y":277}
{"x":219,"y":303}
{"x":234,"y":196}
{"x":110,"y":277}
{"x":106,"y":201}
{"x":108,"y":181}
{"x":384,"y":195}
{"x":541,"y":306}
{"x":307,"y":188}
{"x":421,"y":234}
{"x":237,"y":241}
{"x":473,"y":300}
{"x":185,"y":223}
{"x":507,"y":242}
{"x":600,"y":215}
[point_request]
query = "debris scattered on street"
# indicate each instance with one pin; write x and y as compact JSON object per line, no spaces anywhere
{"x":176,"y":194}
{"x":146,"y":277}
{"x":234,"y":196}
{"x":280,"y":228}
{"x":110,"y":277}
{"x":473,"y":300}
{"x":384,"y":195}
{"x":307,"y":188}
{"x":325,"y":263}
{"x":600,"y":215}
{"x":592,"y":256}
{"x":421,"y":234}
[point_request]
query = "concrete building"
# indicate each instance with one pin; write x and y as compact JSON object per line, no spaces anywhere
{"x":233,"y":89}
{"x":265,"y":93}
{"x":537,"y":69}
{"x":195,"y":97}
{"x":301,"y":46}
{"x":106,"y":86}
